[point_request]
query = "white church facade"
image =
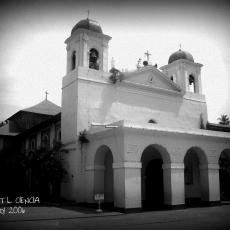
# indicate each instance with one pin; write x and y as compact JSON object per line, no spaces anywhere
{"x":148,"y":145}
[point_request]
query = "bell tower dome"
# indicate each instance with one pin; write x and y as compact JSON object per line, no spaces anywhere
{"x":182,"y":70}
{"x":87,"y":46}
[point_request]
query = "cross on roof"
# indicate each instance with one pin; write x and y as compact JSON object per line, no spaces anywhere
{"x":147,"y":55}
{"x":46,"y":94}
{"x":88,"y":14}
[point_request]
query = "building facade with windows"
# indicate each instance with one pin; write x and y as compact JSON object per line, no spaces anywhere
{"x":28,"y":131}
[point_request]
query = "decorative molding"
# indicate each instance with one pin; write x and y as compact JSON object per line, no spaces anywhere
{"x":210,"y":167}
{"x":95,"y":168}
{"x":132,"y":149}
{"x":173,"y":166}
{"x":136,"y":88}
{"x":192,"y":133}
{"x":135,"y":165}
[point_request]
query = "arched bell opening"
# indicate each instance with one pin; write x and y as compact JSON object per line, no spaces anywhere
{"x":73,"y":60}
{"x":93,"y":59}
{"x":192,"y":84}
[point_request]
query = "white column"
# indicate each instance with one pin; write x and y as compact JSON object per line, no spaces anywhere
{"x":85,"y":51}
{"x":68,"y":58}
{"x":174,"y":184}
{"x":127,"y":185}
{"x":105,"y":58}
{"x":209,"y":180}
{"x":199,"y":83}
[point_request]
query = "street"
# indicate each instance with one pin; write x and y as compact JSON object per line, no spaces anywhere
{"x":79,"y":218}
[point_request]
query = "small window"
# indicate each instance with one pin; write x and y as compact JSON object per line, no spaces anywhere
{"x":152,"y":121}
{"x":151,"y":79}
{"x":45,"y":140}
{"x":171,"y":78}
{"x":93,"y":59}
{"x":58,"y":135}
{"x":192,"y":84}
{"x":33,"y":144}
{"x":73,"y":60}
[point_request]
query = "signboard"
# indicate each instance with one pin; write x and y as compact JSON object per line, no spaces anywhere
{"x":99,"y":196}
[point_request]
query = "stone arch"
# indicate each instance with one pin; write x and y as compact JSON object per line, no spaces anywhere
{"x":224,"y":174}
{"x":195,"y":176}
{"x":162,"y":151}
{"x":152,"y":176}
{"x":103,"y":173}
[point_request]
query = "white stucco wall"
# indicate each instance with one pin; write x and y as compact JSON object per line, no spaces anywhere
{"x":173,"y":145}
{"x":102,"y":102}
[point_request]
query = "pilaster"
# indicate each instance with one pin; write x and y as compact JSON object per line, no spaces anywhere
{"x":174,"y":184}
{"x":209,"y":180}
{"x":127,"y":185}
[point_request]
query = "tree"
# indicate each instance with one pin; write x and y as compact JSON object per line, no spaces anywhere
{"x":224,"y":119}
{"x":46,"y":169}
{"x":116,"y":75}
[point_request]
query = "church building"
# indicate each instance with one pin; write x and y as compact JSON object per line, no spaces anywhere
{"x":138,"y":137}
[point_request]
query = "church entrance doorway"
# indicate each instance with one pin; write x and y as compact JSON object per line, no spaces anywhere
{"x":103,"y":175}
{"x":152,"y":185}
{"x":224,"y":175}
{"x":194,"y":176}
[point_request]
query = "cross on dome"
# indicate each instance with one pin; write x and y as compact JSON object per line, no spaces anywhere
{"x":46,"y":94}
{"x":147,"y":55}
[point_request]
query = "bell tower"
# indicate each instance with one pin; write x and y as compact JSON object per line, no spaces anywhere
{"x":87,"y":61}
{"x":182,"y":70}
{"x":87,"y":66}
{"x":87,"y":47}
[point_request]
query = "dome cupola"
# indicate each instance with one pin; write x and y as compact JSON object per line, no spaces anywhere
{"x":180,"y":54}
{"x":87,"y":24}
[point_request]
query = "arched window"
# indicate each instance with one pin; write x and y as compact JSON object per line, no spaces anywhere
{"x":73,"y":60}
{"x":45,"y":140}
{"x":32,"y":144}
{"x":93,"y":59}
{"x":192,"y":84}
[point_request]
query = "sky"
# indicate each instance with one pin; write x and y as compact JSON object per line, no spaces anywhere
{"x":33,"y":53}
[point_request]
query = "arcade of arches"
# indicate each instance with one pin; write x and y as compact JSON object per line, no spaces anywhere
{"x":156,"y":177}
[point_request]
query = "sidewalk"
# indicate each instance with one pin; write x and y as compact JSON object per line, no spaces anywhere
{"x":51,"y":213}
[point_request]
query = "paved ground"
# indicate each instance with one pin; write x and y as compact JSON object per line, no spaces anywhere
{"x":70,"y":217}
